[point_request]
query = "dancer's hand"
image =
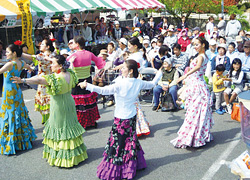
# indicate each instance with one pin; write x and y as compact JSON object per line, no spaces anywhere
{"x":83,"y":84}
{"x":181,"y":78}
{"x":16,"y":80}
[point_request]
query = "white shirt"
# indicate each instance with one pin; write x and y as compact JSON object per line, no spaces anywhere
{"x":135,"y":21}
{"x":87,"y":33}
{"x":138,"y":57}
{"x":125,"y":91}
{"x":232,"y":56}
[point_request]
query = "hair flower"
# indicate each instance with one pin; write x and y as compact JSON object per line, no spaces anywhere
{"x":138,"y":65}
{"x":53,"y":39}
{"x":202,"y":35}
{"x":18,"y":43}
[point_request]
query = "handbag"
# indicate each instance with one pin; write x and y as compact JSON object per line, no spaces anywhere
{"x":235,"y":115}
{"x":167,"y":103}
{"x":99,"y":77}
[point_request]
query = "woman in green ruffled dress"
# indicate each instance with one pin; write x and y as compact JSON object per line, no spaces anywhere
{"x":63,"y":142}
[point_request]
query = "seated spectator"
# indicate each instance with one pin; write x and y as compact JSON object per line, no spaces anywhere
{"x":171,"y":39}
{"x":190,"y":49}
{"x":247,"y":35}
{"x":112,"y":55}
{"x":245,"y":57}
{"x":218,"y":87}
{"x":222,"y":40}
{"x":97,"y":32}
{"x":122,"y":49}
{"x":231,"y":52}
{"x":179,"y":59}
{"x":221,"y":58}
{"x":160,"y":57}
{"x":183,"y":40}
{"x":146,"y":45}
{"x":239,"y":44}
{"x":118,"y":31}
{"x":168,"y":82}
{"x":196,"y":32}
{"x":2,"y":51}
{"x":212,"y":51}
{"x":235,"y":85}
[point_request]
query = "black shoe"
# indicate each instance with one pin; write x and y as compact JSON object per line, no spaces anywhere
{"x":95,"y":125}
{"x":154,"y":108}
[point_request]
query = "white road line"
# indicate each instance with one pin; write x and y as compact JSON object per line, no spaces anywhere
{"x":217,"y":164}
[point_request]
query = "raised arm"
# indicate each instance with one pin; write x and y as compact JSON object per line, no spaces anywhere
{"x":33,"y":80}
{"x":28,"y":56}
{"x":6,"y":67}
{"x":151,"y":84}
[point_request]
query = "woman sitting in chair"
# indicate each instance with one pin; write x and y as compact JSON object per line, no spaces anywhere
{"x":168,"y":82}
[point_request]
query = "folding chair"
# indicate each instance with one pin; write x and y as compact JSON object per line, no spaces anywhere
{"x":146,"y":96}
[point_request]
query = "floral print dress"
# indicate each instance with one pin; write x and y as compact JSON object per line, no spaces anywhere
{"x":42,"y":99}
{"x":123,"y":154}
{"x":16,"y":130}
{"x":195,"y":130}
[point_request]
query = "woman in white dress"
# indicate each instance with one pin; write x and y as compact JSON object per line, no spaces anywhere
{"x":195,"y":130}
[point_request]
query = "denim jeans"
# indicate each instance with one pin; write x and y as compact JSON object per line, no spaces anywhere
{"x":158,"y":90}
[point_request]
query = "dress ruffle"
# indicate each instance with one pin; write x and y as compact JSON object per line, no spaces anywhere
{"x":23,"y":135}
{"x":89,"y":117}
{"x":66,"y":133}
{"x":109,"y":171}
{"x":86,"y":99}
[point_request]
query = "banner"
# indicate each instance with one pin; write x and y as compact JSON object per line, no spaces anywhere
{"x":24,"y":7}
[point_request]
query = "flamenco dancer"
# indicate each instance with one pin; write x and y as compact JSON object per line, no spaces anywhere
{"x":195,"y":131}
{"x":16,"y":130}
{"x":42,"y":99}
{"x":123,"y":154}
{"x":63,"y":142}
{"x":85,"y":101}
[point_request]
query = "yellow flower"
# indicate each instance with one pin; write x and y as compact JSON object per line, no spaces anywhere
{"x":2,"y":150}
{"x":8,"y":138}
{"x":9,"y":107}
{"x":5,"y":75}
{"x":7,"y":148}
{"x":8,"y":93}
{"x":10,"y":101}
{"x":22,"y":114}
{"x":16,"y":104}
{"x":19,"y":146}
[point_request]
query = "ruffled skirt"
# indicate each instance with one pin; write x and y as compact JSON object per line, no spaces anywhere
{"x":86,"y":106}
{"x":142,"y":125}
{"x":123,"y":154}
{"x":63,"y":142}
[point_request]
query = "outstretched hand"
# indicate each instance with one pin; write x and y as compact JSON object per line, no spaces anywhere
{"x":83,"y":84}
{"x":16,"y":80}
{"x":181,"y":78}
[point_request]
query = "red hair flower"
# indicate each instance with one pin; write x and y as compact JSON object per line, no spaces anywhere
{"x":202,"y":35}
{"x":53,"y":39}
{"x":138,"y":65}
{"x":18,"y":43}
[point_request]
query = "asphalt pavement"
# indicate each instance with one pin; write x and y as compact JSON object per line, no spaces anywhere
{"x":164,"y":161}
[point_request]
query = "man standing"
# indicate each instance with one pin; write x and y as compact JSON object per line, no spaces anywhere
{"x":87,"y":31}
{"x":135,"y":20}
{"x":221,"y":25}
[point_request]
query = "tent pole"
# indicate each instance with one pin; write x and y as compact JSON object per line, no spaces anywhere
{"x":7,"y":39}
{"x":81,"y":27}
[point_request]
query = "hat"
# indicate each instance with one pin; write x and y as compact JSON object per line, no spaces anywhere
{"x":238,"y":39}
{"x":171,"y":27}
{"x":146,"y":37}
{"x":168,"y":60}
{"x":196,"y":29}
{"x":71,"y":41}
{"x":124,"y":41}
{"x":104,"y":52}
{"x":222,"y":45}
{"x":116,"y":22}
{"x":247,"y":44}
{"x":153,"y":40}
{"x":64,"y":51}
{"x":212,"y":42}
{"x":248,"y":33}
{"x":163,"y":31}
{"x":221,"y":16}
{"x":137,"y":29}
{"x":146,"y":41}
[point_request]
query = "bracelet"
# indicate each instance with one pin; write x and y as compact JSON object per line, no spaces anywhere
{"x":24,"y":80}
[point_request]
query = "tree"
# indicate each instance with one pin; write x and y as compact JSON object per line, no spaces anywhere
{"x":178,"y":8}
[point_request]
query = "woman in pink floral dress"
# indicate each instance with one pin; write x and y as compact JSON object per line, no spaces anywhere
{"x":42,"y":99}
{"x":195,"y":131}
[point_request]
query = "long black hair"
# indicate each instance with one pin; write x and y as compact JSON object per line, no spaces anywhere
{"x":132,"y":64}
{"x":235,"y":61}
{"x":17,"y":49}
{"x":135,"y":41}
